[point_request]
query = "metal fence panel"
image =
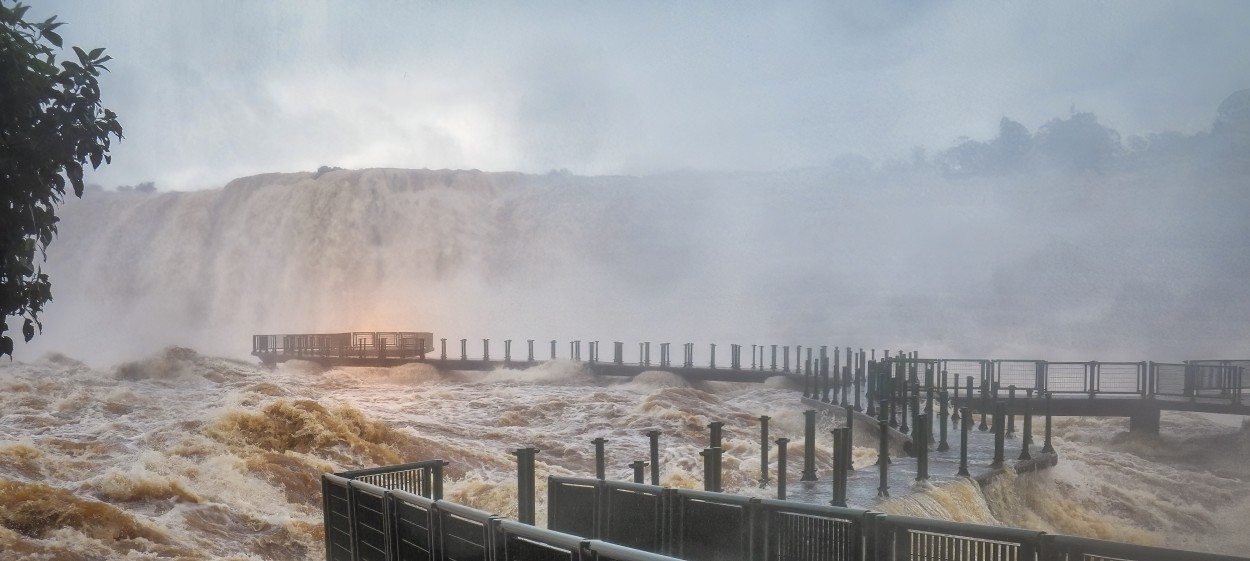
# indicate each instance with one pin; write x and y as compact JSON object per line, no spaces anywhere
{"x":515,"y":541}
{"x":370,"y":522}
{"x":790,"y":531}
{"x":1023,"y":374}
{"x":958,"y":371}
{"x":573,"y":505}
{"x":1121,"y":378}
{"x":635,"y":515}
{"x":1072,"y":548}
{"x":712,"y":526}
{"x":1169,"y":379}
{"x":466,"y":533}
{"x":938,"y":540}
{"x":414,"y":532}
{"x":1067,"y":377}
{"x":336,"y":512}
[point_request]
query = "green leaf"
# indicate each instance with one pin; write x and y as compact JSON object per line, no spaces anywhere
{"x":82,"y":55}
{"x":95,"y":53}
{"x":28,"y":330}
{"x":6,"y":347}
{"x":52,"y":37}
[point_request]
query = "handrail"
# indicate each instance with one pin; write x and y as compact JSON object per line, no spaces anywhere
{"x":445,"y":530}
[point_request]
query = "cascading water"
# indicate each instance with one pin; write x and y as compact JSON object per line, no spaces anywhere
{"x":180,"y":454}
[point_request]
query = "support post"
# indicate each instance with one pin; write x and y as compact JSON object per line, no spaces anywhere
{"x":781,"y":467}
{"x":763,"y":450}
{"x":553,"y":349}
{"x":963,"y":441}
{"x":525,"y":484}
{"x":655,"y":456}
{"x":464,"y":349}
{"x":711,"y":469}
{"x":715,"y":427}
{"x":507,"y":351}
{"x":531,"y":350}
{"x":485,"y":349}
{"x":1046,"y":447}
{"x":1028,"y":432}
{"x":850,"y":424}
{"x":942,"y":445}
{"x":809,"y":445}
{"x":442,"y":355}
{"x":1000,"y":411}
{"x":840,"y":463}
{"x":639,"y":466}
{"x":873,"y":389}
{"x":600,"y":462}
{"x":859,"y":378}
{"x":883,"y":454}
{"x":921,"y":443}
{"x":1011,"y":408}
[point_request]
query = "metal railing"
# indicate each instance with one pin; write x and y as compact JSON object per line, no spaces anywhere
{"x":357,"y":344}
{"x":1210,"y":380}
{"x":366,"y":522}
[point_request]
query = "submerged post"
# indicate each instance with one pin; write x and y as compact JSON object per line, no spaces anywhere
{"x":655,"y":456}
{"x":600,"y":462}
{"x":809,"y":445}
{"x":1046,"y":447}
{"x":942,"y":445}
{"x":1000,"y":411}
{"x":525,"y":484}
{"x":639,"y":466}
{"x":763,"y":450}
{"x":711,"y":469}
{"x":781,"y":467}
{"x":963,"y":441}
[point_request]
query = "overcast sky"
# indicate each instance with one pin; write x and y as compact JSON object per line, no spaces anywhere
{"x":209,"y":91}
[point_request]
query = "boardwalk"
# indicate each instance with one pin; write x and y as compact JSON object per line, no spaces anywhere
{"x":845,"y":376}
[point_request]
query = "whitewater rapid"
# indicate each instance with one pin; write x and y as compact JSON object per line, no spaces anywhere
{"x":189,"y":456}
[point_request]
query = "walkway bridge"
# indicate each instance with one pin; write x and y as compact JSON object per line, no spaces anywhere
{"x":839,"y":375}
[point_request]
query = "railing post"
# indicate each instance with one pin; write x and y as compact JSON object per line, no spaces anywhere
{"x":964,"y":412}
{"x":531,"y":350}
{"x":903,"y":428}
{"x":553,"y":349}
{"x":485,"y":349}
{"x":436,"y":481}
{"x":781,"y":467}
{"x":507,"y":351}
{"x":1028,"y":429}
{"x":835,"y":373}
{"x":753,"y":368}
{"x":883,"y":453}
{"x":442,"y":345}
{"x":785,"y":358}
{"x":1000,"y":410}
{"x":639,"y":467}
{"x":655,"y":456}
{"x":464,"y":349}
{"x":646,"y":355}
{"x":1046,"y":447}
{"x":809,"y":445}
{"x":942,"y":402}
{"x":824,"y":375}
{"x":764,"y":450}
{"x":712,"y":357}
{"x":774,"y":366}
{"x":600,"y":461}
{"x":525,"y":484}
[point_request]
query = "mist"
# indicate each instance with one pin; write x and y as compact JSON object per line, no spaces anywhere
{"x":1067,"y":241}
